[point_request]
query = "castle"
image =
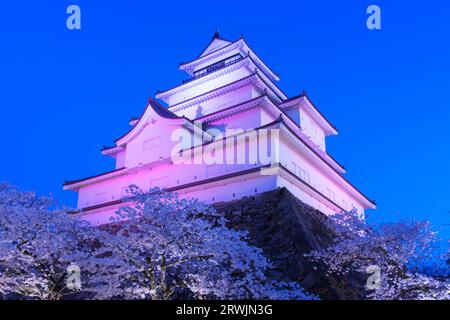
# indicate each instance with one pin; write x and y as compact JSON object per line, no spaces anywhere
{"x":227,"y":132}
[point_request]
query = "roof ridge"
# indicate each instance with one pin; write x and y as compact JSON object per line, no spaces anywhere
{"x":200,"y":55}
{"x":161,"y":110}
{"x":305,"y":95}
{"x":210,"y":91}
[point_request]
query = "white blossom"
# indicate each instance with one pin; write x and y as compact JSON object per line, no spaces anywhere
{"x":396,"y":249}
{"x":175,"y":244}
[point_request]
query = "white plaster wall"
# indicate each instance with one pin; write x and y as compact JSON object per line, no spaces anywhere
{"x":138,"y":158}
{"x":120,"y":159}
{"x":170,"y":175}
{"x":207,"y":86}
{"x":217,"y":59}
{"x":161,"y":176}
{"x":318,"y":179}
{"x":249,"y":119}
{"x":222,"y":192}
{"x":304,"y":196}
{"x":312,"y":129}
{"x":167,"y":175}
{"x":152,"y":144}
{"x":218,"y":103}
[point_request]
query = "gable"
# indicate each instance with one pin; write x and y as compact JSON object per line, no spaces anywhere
{"x":215,"y":45}
{"x":153,"y":142}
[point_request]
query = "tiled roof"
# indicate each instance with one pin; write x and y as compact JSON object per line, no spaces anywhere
{"x":162,"y":111}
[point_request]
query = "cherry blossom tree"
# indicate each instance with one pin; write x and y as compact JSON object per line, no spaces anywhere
{"x":41,"y":249}
{"x":163,"y":247}
{"x":439,"y":266}
{"x":389,"y":253}
{"x":182,"y":248}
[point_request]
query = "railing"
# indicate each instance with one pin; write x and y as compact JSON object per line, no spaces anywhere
{"x":213,"y":68}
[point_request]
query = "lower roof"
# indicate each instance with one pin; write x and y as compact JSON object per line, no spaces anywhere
{"x":220,"y":178}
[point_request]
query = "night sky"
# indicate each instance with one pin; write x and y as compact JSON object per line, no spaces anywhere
{"x":66,"y":93}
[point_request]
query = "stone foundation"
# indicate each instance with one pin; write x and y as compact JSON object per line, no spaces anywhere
{"x":286,"y":229}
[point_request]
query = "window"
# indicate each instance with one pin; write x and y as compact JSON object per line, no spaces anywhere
{"x":330,"y":194}
{"x":302,"y":174}
{"x":344,"y":205}
{"x":218,"y":65}
{"x":152,"y":143}
{"x":296,"y":169}
{"x":313,"y":128}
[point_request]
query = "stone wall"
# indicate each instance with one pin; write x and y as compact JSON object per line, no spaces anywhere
{"x":285,"y":229}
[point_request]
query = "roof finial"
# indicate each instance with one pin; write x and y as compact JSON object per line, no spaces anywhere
{"x":216,"y":34}
{"x":304,"y":93}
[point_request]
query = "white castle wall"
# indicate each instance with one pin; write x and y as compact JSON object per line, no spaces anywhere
{"x":148,"y":154}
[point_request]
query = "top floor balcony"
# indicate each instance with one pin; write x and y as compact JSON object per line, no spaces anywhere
{"x":214,"y":67}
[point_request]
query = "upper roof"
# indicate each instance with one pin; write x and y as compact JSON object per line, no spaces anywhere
{"x":162,"y":111}
{"x":155,"y":108}
{"x":218,"y":47}
{"x":276,"y":111}
{"x":100,"y":176}
{"x":256,"y":78}
{"x":312,"y":110}
{"x":158,"y":109}
{"x":246,"y":61}
{"x":216,"y":43}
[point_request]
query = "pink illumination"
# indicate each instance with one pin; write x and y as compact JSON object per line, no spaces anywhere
{"x":237,"y":96}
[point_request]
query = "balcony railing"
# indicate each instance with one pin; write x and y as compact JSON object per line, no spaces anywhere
{"x":213,"y":68}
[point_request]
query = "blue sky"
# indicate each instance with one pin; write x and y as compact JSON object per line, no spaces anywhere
{"x":65,"y":93}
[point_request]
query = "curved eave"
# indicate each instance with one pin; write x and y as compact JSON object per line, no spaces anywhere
{"x":133,"y":121}
{"x":162,"y":111}
{"x":280,"y":123}
{"x":213,"y":93}
{"x":75,"y":184}
{"x":240,"y":44}
{"x":153,"y":109}
{"x":165,"y":116}
{"x":248,"y":62}
{"x":163,"y":95}
{"x":111,"y":151}
{"x":224,"y":113}
{"x":227,"y":178}
{"x":274,"y":75}
{"x":190,"y":65}
{"x":369,"y":204}
{"x":295,"y":126}
{"x":254,"y":79}
{"x":312,"y":110}
{"x":276,"y":111}
{"x":201,"y":55}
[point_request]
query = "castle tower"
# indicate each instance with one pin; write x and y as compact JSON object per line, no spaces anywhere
{"x":226,"y":132}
